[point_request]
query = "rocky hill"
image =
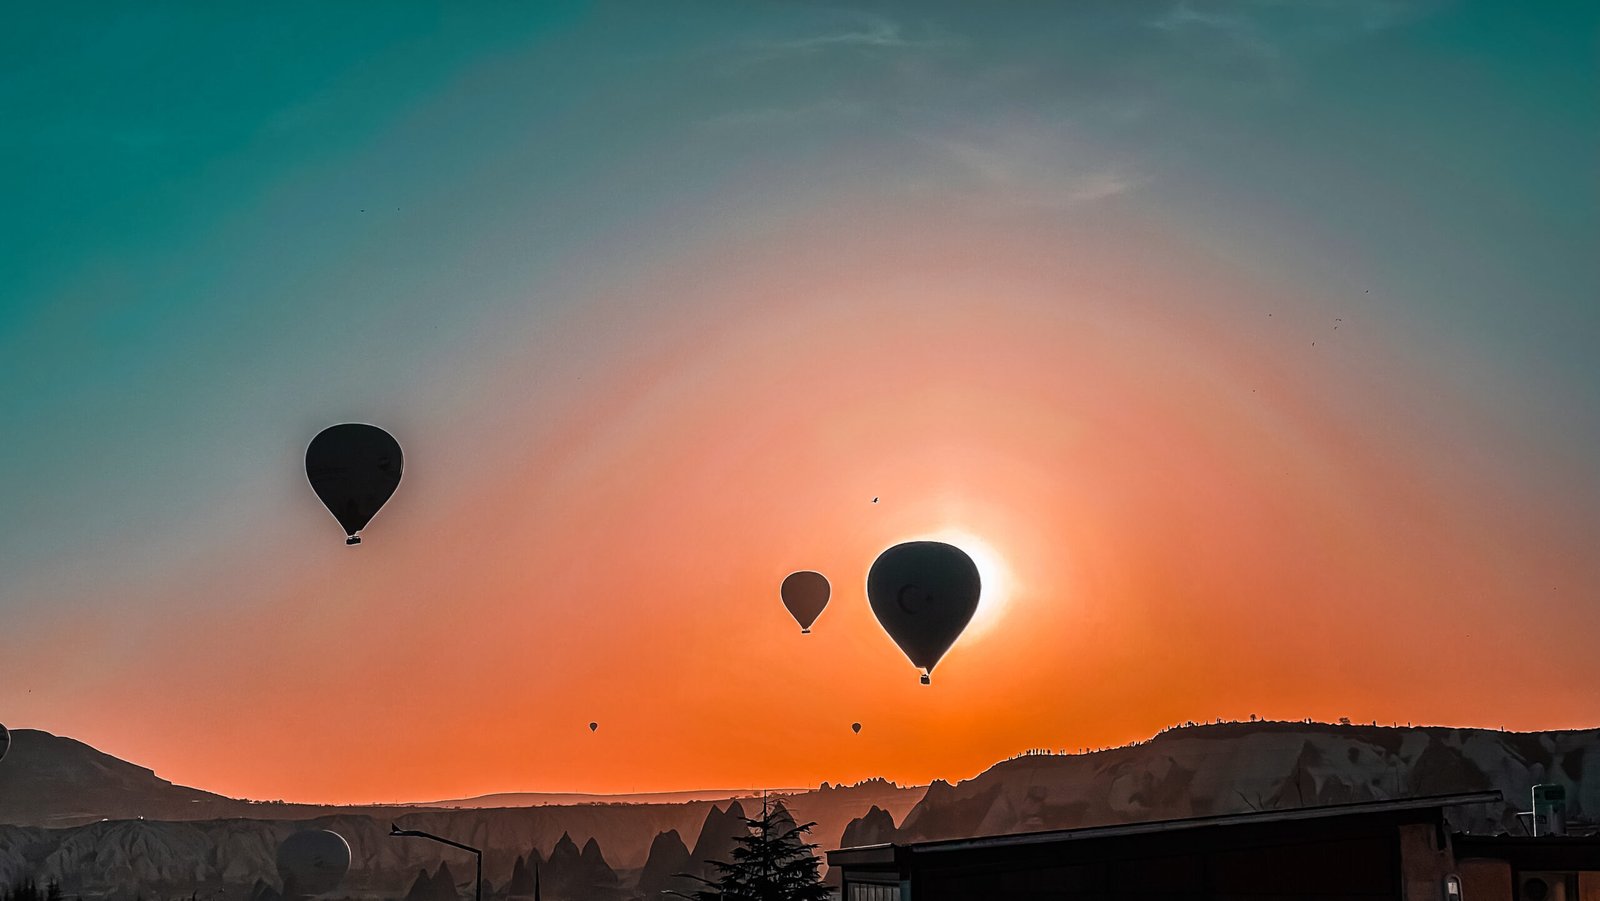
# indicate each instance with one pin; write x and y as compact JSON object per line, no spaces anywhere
{"x":832,"y":807}
{"x":49,"y":781}
{"x":668,"y":858}
{"x":166,"y":859}
{"x":612,"y":850}
{"x":876,"y":827}
{"x":52,"y":780}
{"x":96,"y":823}
{"x":596,"y":847}
{"x":716,"y":839}
{"x":1238,"y":767}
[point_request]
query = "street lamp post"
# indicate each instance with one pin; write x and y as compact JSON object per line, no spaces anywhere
{"x":396,"y":832}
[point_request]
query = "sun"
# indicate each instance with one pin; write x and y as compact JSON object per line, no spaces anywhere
{"x":992,"y":570}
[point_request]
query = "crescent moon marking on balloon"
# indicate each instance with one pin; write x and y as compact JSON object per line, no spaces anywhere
{"x":914,"y":594}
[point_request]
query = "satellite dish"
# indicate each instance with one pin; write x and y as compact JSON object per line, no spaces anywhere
{"x":924,"y":593}
{"x":593,"y":726}
{"x":5,"y":741}
{"x":856,"y":728}
{"x":805,"y":593}
{"x":354,"y":469}
{"x":313,"y":862}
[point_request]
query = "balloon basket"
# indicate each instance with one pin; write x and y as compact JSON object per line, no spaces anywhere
{"x":352,"y":540}
{"x":927,"y":679}
{"x":805,"y":631}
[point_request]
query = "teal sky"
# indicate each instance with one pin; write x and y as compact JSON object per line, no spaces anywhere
{"x":226,"y":226}
{"x":215,"y":208}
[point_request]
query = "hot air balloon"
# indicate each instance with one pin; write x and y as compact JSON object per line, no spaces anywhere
{"x":313,"y":862}
{"x":593,"y":726}
{"x":924,"y":593}
{"x":856,"y":728}
{"x":5,"y":741}
{"x":354,"y":469}
{"x":805,"y":593}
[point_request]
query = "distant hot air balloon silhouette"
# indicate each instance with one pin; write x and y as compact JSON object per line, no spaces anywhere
{"x":593,"y":726}
{"x":354,"y":469}
{"x":924,"y":593}
{"x":856,"y":728}
{"x":313,"y":862}
{"x":5,"y":741}
{"x":805,"y":593}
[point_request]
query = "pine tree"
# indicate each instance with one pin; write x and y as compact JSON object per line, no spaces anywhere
{"x":773,"y":862}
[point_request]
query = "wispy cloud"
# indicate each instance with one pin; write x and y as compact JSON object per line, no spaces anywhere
{"x":1035,"y":165}
{"x":863,"y":31}
{"x":1184,"y":15}
{"x":1224,"y":31}
{"x":1270,"y":36}
{"x":1268,"y":24}
{"x":874,"y":31}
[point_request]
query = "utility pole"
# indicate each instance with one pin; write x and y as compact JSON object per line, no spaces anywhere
{"x":397,"y":832}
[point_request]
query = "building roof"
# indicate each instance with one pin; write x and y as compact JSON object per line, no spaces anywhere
{"x":1544,"y":852}
{"x":885,"y":853}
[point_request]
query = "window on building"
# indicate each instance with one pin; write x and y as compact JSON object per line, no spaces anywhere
{"x":860,"y":891}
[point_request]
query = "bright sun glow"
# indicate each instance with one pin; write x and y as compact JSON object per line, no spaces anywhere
{"x":992,"y":569}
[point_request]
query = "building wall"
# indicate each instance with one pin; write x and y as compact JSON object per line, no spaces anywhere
{"x":1425,"y":862}
{"x":1486,"y":880}
{"x":1363,"y":868}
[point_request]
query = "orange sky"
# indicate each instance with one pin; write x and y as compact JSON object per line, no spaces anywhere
{"x":1200,"y":513}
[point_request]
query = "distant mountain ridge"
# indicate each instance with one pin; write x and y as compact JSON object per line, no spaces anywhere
{"x":1182,"y":772}
{"x":1238,"y":767}
{"x":546,"y":799}
{"x":51,"y":780}
{"x":48,"y":780}
{"x":97,"y":824}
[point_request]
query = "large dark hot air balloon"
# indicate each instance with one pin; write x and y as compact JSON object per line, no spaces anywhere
{"x":354,"y":468}
{"x":856,"y":728}
{"x":924,"y":593}
{"x":313,"y":862}
{"x":593,"y":726}
{"x":5,"y":741}
{"x":805,"y":594}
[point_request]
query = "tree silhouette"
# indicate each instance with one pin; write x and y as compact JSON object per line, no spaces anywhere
{"x":772,"y":862}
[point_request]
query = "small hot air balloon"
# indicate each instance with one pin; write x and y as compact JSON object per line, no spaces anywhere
{"x":924,"y":593}
{"x":805,"y":593}
{"x":354,"y":469}
{"x":5,"y":741}
{"x":593,"y":726}
{"x":856,"y":728}
{"x":313,"y":862}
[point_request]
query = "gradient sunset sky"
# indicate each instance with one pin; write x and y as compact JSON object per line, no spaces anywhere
{"x":1252,"y":346}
